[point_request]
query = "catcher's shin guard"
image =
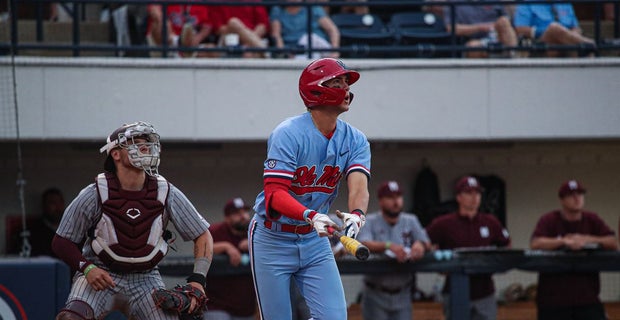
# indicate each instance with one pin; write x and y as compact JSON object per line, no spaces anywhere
{"x":76,"y":310}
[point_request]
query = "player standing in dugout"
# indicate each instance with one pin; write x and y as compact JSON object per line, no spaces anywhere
{"x":307,"y":157}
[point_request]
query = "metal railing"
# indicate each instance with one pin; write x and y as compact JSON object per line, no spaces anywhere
{"x":455,"y":47}
{"x":459,"y":265}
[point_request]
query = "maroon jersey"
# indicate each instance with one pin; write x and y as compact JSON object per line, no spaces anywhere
{"x":453,"y":231}
{"x":233,"y":294}
{"x":569,"y":289}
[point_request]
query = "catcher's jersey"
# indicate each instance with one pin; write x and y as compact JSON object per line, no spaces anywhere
{"x":85,"y":211}
{"x":297,"y":150}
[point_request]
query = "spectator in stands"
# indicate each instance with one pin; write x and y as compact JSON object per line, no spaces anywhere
{"x":575,"y":295}
{"x":231,"y":297}
{"x":343,"y":9}
{"x":385,"y":11}
{"x":355,"y":9}
{"x":401,"y":236}
{"x":470,"y":228}
{"x":552,"y":24}
{"x":434,"y":7}
{"x":187,"y":26}
{"x":249,"y":23}
{"x":289,"y":29}
{"x":43,"y":228}
{"x":481,"y":26}
{"x":609,"y":11}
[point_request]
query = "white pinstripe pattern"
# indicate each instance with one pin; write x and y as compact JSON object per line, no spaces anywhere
{"x":83,"y":213}
{"x":136,"y":287}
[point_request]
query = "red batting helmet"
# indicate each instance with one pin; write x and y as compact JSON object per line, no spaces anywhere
{"x":311,"y":88}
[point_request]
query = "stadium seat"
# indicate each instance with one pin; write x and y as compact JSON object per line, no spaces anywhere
{"x":385,"y":12}
{"x":361,"y":32}
{"x":422,"y":29}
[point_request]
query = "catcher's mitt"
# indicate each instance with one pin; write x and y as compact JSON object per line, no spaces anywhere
{"x":179,"y":299}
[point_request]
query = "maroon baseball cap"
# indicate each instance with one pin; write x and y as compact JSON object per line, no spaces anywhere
{"x":467,"y":183}
{"x":233,"y":205}
{"x":569,"y":187}
{"x":389,"y":188}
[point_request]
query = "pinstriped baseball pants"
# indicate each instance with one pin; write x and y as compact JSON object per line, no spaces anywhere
{"x":135,"y":287}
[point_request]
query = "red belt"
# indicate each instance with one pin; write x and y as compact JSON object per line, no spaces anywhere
{"x":292,"y":228}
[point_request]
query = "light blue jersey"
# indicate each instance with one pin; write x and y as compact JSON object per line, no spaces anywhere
{"x":297,"y":150}
{"x":315,"y":165}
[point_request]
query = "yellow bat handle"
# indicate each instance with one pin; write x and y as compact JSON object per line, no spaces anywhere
{"x":353,"y":246}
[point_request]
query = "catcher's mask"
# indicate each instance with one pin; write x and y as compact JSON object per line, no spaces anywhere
{"x":311,"y":88}
{"x":142,"y":155}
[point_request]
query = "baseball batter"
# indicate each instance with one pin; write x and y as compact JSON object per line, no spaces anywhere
{"x":122,"y":218}
{"x":307,"y":157}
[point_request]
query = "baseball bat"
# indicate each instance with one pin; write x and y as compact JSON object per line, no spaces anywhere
{"x":354,"y":247}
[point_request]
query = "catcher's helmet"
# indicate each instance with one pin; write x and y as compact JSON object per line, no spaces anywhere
{"x":311,"y":88}
{"x":142,"y":155}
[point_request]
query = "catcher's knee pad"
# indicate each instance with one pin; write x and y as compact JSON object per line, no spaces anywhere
{"x":76,"y":310}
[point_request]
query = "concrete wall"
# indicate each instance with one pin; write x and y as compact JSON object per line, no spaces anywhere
{"x":228,"y":99}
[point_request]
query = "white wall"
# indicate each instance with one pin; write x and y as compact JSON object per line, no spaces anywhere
{"x":228,"y":99}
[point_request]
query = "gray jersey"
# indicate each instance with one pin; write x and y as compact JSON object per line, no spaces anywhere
{"x":405,"y":232}
{"x":84,"y":212}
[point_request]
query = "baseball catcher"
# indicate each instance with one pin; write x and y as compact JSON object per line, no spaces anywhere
{"x":122,"y":219}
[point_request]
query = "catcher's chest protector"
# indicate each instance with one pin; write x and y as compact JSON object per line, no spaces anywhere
{"x":128,"y":237}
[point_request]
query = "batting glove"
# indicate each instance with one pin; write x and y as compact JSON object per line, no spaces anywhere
{"x":353,"y":222}
{"x":320,"y":222}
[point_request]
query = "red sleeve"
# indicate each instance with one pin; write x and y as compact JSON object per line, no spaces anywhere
{"x":69,"y":252}
{"x":279,"y":202}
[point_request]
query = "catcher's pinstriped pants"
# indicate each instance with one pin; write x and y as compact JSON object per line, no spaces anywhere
{"x":136,"y":287}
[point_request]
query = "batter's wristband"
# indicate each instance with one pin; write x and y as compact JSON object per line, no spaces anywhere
{"x":88,"y":268}
{"x":309,"y":214}
{"x":198,"y":278}
{"x":358,"y":212}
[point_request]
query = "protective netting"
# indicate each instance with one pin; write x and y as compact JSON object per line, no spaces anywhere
{"x":9,"y":130}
